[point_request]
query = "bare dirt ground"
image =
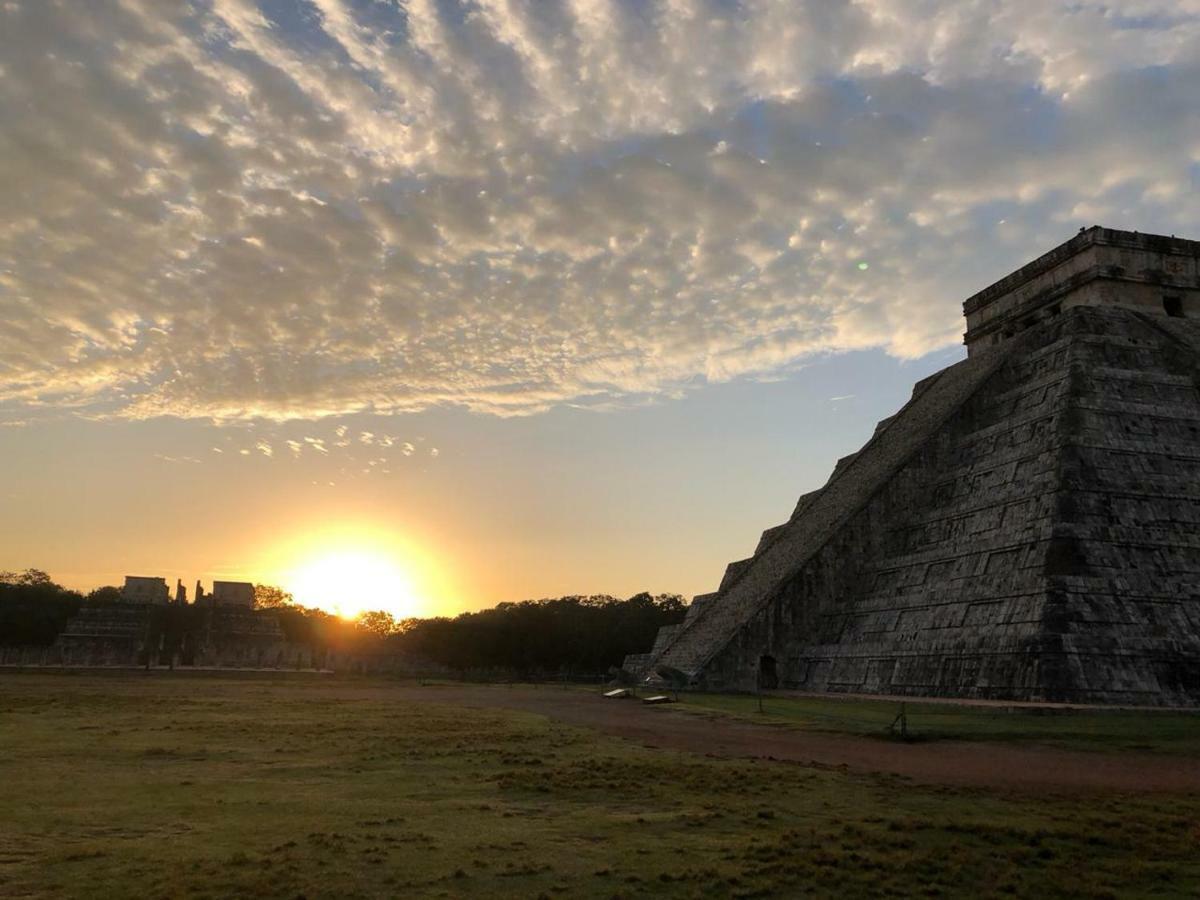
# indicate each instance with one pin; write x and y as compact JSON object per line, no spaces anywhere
{"x":961,"y":763}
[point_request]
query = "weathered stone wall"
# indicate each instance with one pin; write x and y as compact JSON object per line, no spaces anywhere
{"x":947,"y":548}
{"x":197,"y":635}
{"x":1043,"y":544}
{"x":1098,"y":267}
{"x":1125,"y":584}
{"x":637,"y":664}
{"x":821,"y":514}
{"x":104,"y":636}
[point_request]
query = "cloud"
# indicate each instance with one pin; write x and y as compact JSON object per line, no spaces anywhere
{"x":214,"y":210}
{"x":176,"y":459}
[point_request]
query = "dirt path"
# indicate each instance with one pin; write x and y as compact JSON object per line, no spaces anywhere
{"x":975,"y":764}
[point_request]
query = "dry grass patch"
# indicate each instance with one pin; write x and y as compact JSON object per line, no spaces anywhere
{"x":209,"y":787}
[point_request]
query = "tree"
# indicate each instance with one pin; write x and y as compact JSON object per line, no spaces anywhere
{"x":106,"y":595}
{"x":30,"y":578}
{"x":267,"y":596}
{"x":377,"y":622}
{"x":579,"y":636}
{"x":33,"y":609}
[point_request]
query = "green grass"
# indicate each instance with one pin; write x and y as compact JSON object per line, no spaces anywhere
{"x":220,"y":787}
{"x":1115,"y":730}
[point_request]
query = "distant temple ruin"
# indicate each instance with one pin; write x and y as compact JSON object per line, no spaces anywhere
{"x":218,"y":629}
{"x":1027,"y":527}
{"x":141,"y":589}
{"x":233,"y":593}
{"x":154,"y":591}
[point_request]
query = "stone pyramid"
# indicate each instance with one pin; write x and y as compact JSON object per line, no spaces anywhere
{"x":1027,"y":527}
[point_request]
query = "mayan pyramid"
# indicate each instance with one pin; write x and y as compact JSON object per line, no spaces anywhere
{"x":1027,"y":527}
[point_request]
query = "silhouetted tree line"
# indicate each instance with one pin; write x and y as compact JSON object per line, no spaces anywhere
{"x":580,"y":637}
{"x":577,"y":636}
{"x":34,"y":609}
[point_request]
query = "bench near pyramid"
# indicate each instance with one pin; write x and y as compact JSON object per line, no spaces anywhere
{"x":1027,"y":527}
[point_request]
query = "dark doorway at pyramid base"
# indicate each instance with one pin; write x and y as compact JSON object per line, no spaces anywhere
{"x":768,"y":675}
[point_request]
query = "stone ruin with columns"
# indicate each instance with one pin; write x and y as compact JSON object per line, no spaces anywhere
{"x":1026,"y":527}
{"x":152,"y":627}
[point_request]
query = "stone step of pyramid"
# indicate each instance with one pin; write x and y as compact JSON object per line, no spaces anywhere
{"x":851,"y":484}
{"x":734,"y":571}
{"x":882,"y":424}
{"x":666,"y":634}
{"x":841,"y":465}
{"x":768,"y":537}
{"x":698,"y":604}
{"x":802,"y":504}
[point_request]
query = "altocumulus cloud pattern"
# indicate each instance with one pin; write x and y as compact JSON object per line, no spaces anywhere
{"x":232,"y":209}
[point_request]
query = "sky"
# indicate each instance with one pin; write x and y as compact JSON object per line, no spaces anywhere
{"x":484,"y":301}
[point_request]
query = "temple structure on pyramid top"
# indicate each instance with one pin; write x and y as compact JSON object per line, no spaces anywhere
{"x":1026,"y":527}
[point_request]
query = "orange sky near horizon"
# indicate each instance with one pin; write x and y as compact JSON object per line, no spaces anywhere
{"x":657,"y":498}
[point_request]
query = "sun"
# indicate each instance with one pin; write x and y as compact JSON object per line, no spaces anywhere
{"x":356,"y":566}
{"x":348,"y":582}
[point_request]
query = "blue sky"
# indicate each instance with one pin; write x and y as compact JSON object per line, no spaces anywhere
{"x":611,"y":259}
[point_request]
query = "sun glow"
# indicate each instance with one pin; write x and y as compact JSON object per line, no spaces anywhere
{"x":348,"y":574}
{"x":350,"y":582}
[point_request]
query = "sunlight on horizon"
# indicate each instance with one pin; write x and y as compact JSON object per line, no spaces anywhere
{"x":349,"y":572}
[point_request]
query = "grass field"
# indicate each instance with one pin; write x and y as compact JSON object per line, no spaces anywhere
{"x":1079,"y":729}
{"x":219,"y":787}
